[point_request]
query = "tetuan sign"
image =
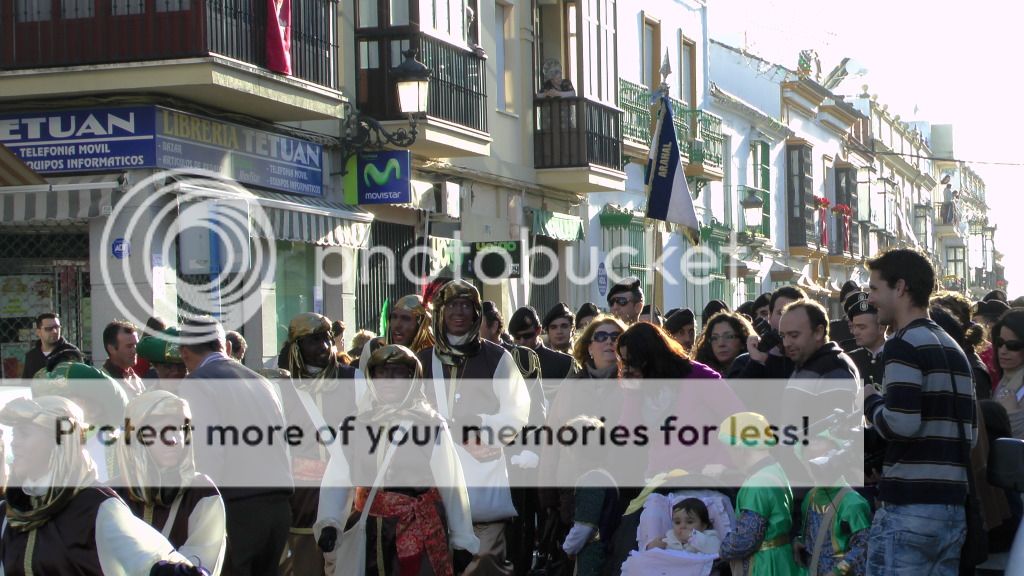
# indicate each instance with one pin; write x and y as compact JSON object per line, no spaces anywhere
{"x":113,"y":139}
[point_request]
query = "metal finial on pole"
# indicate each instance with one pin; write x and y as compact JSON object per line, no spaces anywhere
{"x":666,"y":70}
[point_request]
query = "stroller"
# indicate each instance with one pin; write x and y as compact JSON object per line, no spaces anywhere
{"x":656,"y":520}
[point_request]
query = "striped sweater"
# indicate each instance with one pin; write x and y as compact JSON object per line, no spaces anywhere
{"x":917,"y":415}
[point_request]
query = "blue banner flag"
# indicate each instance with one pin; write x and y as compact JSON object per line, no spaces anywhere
{"x":668,"y":195}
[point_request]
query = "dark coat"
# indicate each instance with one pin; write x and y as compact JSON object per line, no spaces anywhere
{"x":554,"y":365}
{"x":35,"y":360}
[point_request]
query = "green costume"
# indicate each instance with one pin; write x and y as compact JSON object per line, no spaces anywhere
{"x":842,"y":541}
{"x":767,"y":494}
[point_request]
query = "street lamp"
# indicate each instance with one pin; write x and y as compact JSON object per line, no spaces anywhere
{"x":360,"y":131}
{"x":990,"y":243}
{"x":753,"y":211}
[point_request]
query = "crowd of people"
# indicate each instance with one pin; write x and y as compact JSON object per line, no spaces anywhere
{"x":939,"y":378}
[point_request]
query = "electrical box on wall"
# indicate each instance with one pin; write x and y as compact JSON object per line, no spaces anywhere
{"x":213,"y":236}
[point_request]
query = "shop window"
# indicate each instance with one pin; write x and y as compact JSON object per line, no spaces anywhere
{"x":294,"y":278}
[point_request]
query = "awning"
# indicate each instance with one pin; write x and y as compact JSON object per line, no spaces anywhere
{"x":14,"y":172}
{"x":564,"y":227}
{"x":906,"y":228}
{"x":779,"y":272}
{"x":736,"y":268}
{"x":314,"y":220}
{"x":60,"y":199}
{"x":812,"y":288}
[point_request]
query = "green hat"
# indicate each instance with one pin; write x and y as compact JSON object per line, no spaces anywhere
{"x":82,"y":382}
{"x":160,"y":350}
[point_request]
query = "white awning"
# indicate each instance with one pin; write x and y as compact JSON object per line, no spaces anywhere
{"x":314,"y":220}
{"x":61,"y":199}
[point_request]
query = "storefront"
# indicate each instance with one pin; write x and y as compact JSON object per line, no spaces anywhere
{"x":119,"y":225}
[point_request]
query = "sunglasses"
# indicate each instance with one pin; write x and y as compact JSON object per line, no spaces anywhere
{"x":606,"y":336}
{"x":620,"y":301}
{"x":1011,"y":345}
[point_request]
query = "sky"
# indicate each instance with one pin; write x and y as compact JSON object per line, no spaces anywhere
{"x":956,"y":62}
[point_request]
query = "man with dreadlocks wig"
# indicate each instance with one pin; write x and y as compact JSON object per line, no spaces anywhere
{"x":323,"y":392}
{"x":57,"y":518}
{"x":408,"y":324}
{"x":420,"y":509}
{"x":475,"y":383}
{"x":160,"y":484}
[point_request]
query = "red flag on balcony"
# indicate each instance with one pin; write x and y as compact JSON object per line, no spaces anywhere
{"x":279,"y":36}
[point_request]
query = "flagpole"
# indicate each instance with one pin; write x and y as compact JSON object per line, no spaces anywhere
{"x":662,"y":99}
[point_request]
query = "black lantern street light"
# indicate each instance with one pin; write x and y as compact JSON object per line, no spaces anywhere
{"x":360,"y":132}
{"x":753,"y":211}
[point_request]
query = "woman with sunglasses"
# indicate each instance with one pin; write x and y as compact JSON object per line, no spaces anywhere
{"x":723,"y":339}
{"x":1008,"y":344}
{"x":593,"y":389}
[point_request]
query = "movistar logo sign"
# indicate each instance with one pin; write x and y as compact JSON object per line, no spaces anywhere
{"x":392,"y":170}
{"x":385,"y":177}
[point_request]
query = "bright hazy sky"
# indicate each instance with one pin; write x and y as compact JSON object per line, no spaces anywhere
{"x":957,"y":62}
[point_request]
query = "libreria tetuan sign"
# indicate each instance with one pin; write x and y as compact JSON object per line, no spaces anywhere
{"x":107,"y":139}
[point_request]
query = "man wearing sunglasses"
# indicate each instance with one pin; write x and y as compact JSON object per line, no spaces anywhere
{"x":50,"y":343}
{"x":525,"y":329}
{"x":626,"y":300}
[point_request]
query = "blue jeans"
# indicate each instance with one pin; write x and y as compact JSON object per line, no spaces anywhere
{"x":916,"y":539}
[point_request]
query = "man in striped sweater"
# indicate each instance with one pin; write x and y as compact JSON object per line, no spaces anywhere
{"x":920,"y":524}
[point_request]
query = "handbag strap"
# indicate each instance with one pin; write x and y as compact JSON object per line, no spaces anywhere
{"x":826,"y":521}
{"x":392,"y":448}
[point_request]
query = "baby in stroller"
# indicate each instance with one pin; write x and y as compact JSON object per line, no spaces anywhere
{"x":679,"y":534}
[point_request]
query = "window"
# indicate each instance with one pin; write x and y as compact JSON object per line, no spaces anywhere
{"x":72,"y":9}
{"x":762,"y":180}
{"x":956,"y":261}
{"x":687,"y":71}
{"x":398,"y":13}
{"x":846,"y":193}
{"x":173,"y":5}
{"x":800,"y":194}
{"x":127,"y":7}
{"x":634,"y":235}
{"x":504,"y":57}
{"x":368,"y":13}
{"x":651,"y":53}
{"x":448,"y":19}
{"x":294,"y":279}
{"x":32,"y":10}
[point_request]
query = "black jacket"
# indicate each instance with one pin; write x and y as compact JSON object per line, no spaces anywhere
{"x":839,"y":332}
{"x":35,"y":360}
{"x":554,"y":365}
{"x":871,"y":366}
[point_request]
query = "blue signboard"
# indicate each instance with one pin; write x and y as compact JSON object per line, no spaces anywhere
{"x":245,"y":154}
{"x":92,"y":140}
{"x":384,"y":177}
{"x":113,"y":139}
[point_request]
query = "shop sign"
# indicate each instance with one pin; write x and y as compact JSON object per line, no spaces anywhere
{"x":383,"y":177}
{"x":89,"y":140}
{"x":502,"y":259}
{"x":115,"y":139}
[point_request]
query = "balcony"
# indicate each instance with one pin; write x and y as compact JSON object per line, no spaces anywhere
{"x":949,"y":222}
{"x":704,"y":160}
{"x":577,"y":145}
{"x":210,"y":52}
{"x":456,"y":122}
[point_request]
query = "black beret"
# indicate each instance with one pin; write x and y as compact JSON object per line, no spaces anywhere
{"x":993,"y":308}
{"x":995,"y":295}
{"x":847,"y":288}
{"x":857,"y":303}
{"x":523,"y":319}
{"x":589,"y":309}
{"x":630,"y":284}
{"x":680,"y":319}
{"x":712,"y":308}
{"x":560,"y":310}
